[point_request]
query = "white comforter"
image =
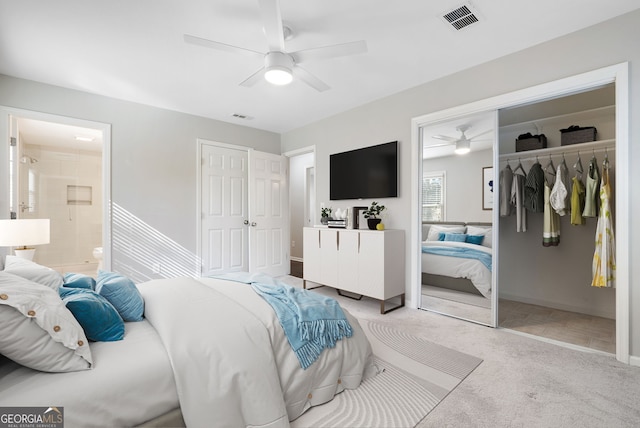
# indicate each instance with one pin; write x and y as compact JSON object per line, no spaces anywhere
{"x":231,"y":360}
{"x":457,"y":267}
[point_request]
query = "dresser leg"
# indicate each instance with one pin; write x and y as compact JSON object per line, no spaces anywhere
{"x":386,"y":311}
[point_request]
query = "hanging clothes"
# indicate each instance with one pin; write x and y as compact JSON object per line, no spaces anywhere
{"x":604,"y":260}
{"x":506,"y":179}
{"x":560,"y":193}
{"x":551,"y":225}
{"x":534,"y":189}
{"x":592,"y":190}
{"x":577,"y":202}
{"x":517,"y":201}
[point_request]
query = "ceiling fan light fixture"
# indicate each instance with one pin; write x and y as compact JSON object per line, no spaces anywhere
{"x":278,"y":76}
{"x":463,"y":147}
{"x":278,"y":66}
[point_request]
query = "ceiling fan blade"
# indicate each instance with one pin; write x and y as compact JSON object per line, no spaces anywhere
{"x":480,"y":134}
{"x":432,"y":146}
{"x":309,"y":79}
{"x":220,"y":46}
{"x":272,"y":22}
{"x":254,"y":78}
{"x":333,"y":51}
{"x":445,"y":138}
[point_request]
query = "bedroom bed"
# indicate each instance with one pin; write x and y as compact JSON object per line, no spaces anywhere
{"x":457,"y":257}
{"x":209,"y":352}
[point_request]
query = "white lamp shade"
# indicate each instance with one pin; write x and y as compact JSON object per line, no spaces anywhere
{"x":23,"y":232}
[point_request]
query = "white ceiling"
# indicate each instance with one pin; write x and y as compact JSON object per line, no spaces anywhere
{"x":134,"y":50}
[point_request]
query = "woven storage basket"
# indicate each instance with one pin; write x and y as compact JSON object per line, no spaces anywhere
{"x":535,"y":142}
{"x":577,"y":135}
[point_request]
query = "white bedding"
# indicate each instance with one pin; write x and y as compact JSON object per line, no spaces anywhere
{"x":131,"y":383}
{"x":232,"y":363}
{"x":457,"y":267}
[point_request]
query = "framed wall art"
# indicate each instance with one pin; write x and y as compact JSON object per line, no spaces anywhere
{"x":487,"y":188}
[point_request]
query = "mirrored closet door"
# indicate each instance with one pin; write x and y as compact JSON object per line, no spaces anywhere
{"x":458,"y":191}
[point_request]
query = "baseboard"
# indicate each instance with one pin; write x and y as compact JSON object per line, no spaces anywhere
{"x":555,"y":305}
{"x":295,"y":259}
{"x":634,"y":361}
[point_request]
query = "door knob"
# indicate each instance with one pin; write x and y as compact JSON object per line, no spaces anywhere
{"x":246,"y":222}
{"x":254,"y":224}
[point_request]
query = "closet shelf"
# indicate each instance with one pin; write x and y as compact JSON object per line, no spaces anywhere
{"x":573,"y":148}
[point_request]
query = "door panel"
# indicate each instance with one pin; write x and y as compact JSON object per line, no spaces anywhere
{"x":244,"y":218}
{"x":268,"y":214}
{"x":224,"y":202}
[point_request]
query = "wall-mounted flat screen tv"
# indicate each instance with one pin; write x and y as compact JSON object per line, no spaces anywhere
{"x":370,"y":172}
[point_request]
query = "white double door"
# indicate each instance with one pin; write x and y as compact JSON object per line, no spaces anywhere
{"x":244,"y":215}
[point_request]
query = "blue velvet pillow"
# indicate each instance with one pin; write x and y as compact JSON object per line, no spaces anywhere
{"x":455,"y":237}
{"x":475,"y":239}
{"x":79,"y":280}
{"x":98,"y":318}
{"x":122,"y":293}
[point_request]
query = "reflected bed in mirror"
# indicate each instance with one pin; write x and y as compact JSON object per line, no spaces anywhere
{"x":456,"y":269}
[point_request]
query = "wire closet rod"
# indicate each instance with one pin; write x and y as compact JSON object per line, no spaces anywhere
{"x":583,"y":148}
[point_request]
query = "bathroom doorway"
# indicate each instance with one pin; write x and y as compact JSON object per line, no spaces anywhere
{"x":58,"y":172}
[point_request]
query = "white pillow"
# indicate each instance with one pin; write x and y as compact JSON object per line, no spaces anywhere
{"x":33,"y":272}
{"x":435,"y":230}
{"x":482,"y":230}
{"x":38,"y":331}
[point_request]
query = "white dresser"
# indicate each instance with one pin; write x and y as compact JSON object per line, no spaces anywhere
{"x":362,"y":262}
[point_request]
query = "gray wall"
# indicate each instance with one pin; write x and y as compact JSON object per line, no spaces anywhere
{"x":389,"y":119}
{"x":153,"y":168}
{"x":463,"y":199}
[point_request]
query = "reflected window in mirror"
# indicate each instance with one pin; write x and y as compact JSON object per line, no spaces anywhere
{"x":433,"y":191}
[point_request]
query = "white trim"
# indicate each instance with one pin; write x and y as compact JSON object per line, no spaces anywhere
{"x":557,"y":342}
{"x":634,"y":361}
{"x":296,"y":259}
{"x":618,"y":73}
{"x":106,"y":164}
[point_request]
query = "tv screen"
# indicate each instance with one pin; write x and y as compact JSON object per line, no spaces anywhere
{"x":370,"y":172}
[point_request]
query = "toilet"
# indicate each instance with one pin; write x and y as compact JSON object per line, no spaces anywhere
{"x":97,"y":254}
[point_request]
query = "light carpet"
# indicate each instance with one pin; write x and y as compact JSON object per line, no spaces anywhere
{"x":395,"y":397}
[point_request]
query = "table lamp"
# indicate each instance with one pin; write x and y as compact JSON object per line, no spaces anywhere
{"x":24,"y":232}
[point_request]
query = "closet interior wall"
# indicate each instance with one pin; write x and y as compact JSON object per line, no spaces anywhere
{"x":559,"y":276}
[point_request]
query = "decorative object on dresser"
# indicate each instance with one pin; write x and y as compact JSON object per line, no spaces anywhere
{"x":361,"y":262}
{"x":372,"y":213}
{"x":339,"y":219}
{"x":357,"y":211}
{"x":24,"y":232}
{"x":325,"y":214}
{"x":576,"y":135}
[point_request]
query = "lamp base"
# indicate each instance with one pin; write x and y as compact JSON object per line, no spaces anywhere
{"x":25,"y":253}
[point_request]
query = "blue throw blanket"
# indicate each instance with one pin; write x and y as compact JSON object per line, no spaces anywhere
{"x":467,"y":253}
{"x":310,"y":321}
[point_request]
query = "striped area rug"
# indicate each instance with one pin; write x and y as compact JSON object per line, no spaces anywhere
{"x":417,"y":375}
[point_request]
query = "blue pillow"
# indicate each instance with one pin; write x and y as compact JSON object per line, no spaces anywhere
{"x":122,"y":293}
{"x":441,"y":236}
{"x":79,"y":280}
{"x":455,"y":237}
{"x":98,"y":318}
{"x":475,"y":239}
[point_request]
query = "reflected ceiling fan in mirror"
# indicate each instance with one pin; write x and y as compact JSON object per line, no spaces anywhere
{"x":462,"y":143}
{"x":280,"y":66}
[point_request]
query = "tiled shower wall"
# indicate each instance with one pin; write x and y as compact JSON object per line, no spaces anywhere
{"x":76,"y":227}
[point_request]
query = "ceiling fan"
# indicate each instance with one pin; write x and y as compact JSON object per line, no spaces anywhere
{"x":280,"y":66}
{"x":462,"y":143}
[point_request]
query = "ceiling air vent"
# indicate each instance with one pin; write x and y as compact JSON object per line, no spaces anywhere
{"x":241,"y":116}
{"x":461,"y":17}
